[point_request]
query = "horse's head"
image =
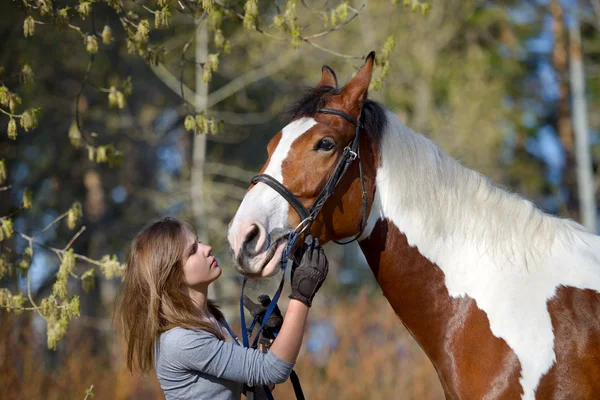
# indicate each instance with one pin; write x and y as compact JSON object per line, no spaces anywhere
{"x":302,"y":157}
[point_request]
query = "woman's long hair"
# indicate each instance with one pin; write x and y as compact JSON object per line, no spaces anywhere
{"x":152,"y":299}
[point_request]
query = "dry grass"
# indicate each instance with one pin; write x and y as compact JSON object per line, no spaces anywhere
{"x":374,"y":358}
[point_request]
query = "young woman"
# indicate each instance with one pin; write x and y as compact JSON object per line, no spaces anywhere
{"x":171,"y":325}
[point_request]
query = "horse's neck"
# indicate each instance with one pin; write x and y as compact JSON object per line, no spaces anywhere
{"x":445,"y":327}
{"x":468,"y":267}
{"x":413,"y":285}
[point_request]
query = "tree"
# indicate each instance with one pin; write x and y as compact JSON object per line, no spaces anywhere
{"x":64,"y":63}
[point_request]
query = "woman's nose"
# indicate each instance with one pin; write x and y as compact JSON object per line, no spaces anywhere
{"x":207,"y":249}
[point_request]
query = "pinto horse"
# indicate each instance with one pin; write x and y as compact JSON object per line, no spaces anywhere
{"x":503,"y":298}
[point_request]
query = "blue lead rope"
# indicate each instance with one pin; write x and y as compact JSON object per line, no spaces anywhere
{"x":247,"y":332}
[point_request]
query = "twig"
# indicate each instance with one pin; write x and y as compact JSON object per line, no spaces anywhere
{"x":176,"y":85}
{"x":55,"y":221}
{"x":59,"y":252}
{"x":309,"y":7}
{"x":10,"y":114}
{"x":237,"y":84}
{"x":33,"y":303}
{"x":83,"y":82}
{"x":74,"y":238}
{"x":194,"y":62}
{"x":229,"y":171}
{"x":98,"y":88}
{"x":148,"y":9}
{"x":335,"y":28}
{"x":277,"y":7}
{"x":9,"y":215}
{"x":182,"y":62}
{"x":78,"y":29}
{"x":333,"y":52}
{"x":171,"y":81}
{"x":240,"y":16}
{"x":88,"y":392}
{"x":233,"y":118}
{"x":32,"y":308}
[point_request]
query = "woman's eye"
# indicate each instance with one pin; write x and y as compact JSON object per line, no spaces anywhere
{"x":325,"y":144}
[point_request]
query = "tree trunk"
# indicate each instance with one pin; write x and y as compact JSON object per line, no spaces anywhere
{"x":585,"y":178}
{"x":560,"y":61}
{"x":199,"y":149}
{"x":567,"y":207}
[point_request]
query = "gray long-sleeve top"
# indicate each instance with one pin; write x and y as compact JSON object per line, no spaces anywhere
{"x":194,"y":364}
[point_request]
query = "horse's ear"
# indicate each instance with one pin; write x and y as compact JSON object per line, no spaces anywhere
{"x":328,"y":77}
{"x":355,"y":92}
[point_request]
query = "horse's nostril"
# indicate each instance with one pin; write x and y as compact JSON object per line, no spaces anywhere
{"x":253,"y":234}
{"x":250,"y":245}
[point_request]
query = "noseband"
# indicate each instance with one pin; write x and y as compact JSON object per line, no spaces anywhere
{"x":351,"y":153}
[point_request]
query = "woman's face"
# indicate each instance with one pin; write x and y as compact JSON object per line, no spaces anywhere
{"x":200,"y":267}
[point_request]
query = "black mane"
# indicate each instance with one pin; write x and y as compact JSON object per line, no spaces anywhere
{"x":373,"y":115}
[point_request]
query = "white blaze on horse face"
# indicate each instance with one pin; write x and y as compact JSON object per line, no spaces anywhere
{"x":492,"y":246}
{"x":262,"y":205}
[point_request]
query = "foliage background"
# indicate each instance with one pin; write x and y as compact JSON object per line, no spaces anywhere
{"x":105,"y":142}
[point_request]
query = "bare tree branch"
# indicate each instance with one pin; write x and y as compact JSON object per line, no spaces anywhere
{"x":262,"y":72}
{"x":335,"y":28}
{"x":229,"y":171}
{"x":74,"y":238}
{"x":229,"y":89}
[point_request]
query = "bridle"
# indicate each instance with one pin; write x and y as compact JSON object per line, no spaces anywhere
{"x":307,"y":216}
{"x":351,"y":153}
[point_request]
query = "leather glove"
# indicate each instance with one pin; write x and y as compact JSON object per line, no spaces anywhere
{"x":258,"y":310}
{"x":309,"y":272}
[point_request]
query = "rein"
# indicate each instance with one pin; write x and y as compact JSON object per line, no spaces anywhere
{"x":307,"y":216}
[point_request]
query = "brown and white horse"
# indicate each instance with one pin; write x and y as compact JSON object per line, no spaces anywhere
{"x":504,"y":299}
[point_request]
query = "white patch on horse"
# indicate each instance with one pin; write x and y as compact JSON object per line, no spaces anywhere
{"x":263,"y":204}
{"x":492,"y":246}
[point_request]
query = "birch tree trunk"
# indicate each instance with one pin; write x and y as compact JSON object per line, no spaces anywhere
{"x":585,"y":178}
{"x":199,"y":149}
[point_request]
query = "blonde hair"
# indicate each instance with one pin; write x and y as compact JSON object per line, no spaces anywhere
{"x":152,"y":299}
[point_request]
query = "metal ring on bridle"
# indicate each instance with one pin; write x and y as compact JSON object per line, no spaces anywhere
{"x":304,"y":224}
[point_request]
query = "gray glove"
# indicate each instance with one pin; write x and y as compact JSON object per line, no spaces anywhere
{"x":309,"y":270}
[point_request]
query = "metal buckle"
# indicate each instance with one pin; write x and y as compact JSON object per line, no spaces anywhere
{"x":353,"y":155}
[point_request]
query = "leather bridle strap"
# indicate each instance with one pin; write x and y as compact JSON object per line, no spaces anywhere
{"x":351,"y":153}
{"x":302,"y":211}
{"x":339,"y":113}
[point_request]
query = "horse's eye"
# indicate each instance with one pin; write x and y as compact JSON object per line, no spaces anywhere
{"x":325,"y":144}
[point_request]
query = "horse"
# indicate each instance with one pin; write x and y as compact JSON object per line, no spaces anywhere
{"x":503,"y":298}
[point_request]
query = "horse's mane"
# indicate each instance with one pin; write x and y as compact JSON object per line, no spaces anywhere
{"x":445,"y":203}
{"x":446,"y":200}
{"x":374,"y":117}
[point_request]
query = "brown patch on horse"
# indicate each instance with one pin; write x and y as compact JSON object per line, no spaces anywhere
{"x":306,"y":173}
{"x":472,"y":363}
{"x":575,"y":315}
